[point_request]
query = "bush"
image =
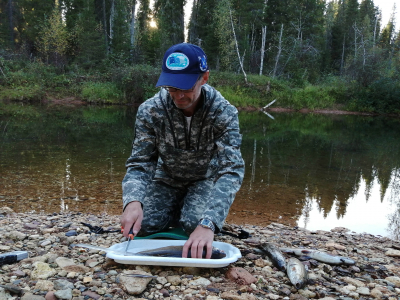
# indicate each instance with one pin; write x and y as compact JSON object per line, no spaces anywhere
{"x":106,"y":92}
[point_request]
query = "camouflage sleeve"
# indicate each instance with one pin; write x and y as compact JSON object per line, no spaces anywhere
{"x":231,"y":170}
{"x":142,"y":162}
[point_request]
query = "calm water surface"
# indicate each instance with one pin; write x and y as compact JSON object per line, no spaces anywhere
{"x":313,"y":171}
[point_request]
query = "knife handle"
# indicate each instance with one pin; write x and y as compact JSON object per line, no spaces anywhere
{"x":130,"y":235}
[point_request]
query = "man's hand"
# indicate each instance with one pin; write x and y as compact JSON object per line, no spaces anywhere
{"x":132,"y":216}
{"x":199,"y":239}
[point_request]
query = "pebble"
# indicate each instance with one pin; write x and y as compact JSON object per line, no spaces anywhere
{"x":57,"y":270}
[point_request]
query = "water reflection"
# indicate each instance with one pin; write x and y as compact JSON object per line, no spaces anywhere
{"x":315,"y":171}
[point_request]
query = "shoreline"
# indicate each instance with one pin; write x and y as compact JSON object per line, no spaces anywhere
{"x":73,"y":102}
{"x":56,"y":268}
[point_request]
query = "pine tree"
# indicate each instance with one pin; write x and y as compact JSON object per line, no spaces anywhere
{"x":169,"y":17}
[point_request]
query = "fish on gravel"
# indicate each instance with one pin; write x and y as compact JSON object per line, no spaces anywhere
{"x":275,"y":255}
{"x":320,"y":256}
{"x":296,"y":272}
{"x":176,"y":251}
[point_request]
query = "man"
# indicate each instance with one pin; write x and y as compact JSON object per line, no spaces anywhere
{"x":186,"y":163}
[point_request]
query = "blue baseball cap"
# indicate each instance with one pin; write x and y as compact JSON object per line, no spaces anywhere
{"x":182,"y":64}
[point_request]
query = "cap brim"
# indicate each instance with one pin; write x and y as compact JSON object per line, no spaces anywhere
{"x":179,"y":81}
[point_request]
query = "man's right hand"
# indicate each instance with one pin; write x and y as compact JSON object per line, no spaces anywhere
{"x":132,"y":216}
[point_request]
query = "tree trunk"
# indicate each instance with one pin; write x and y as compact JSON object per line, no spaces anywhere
{"x":279,"y":53}
{"x":342,"y":60}
{"x":112,"y":16}
{"x":264,"y":35}
{"x":11,"y":22}
{"x":237,"y":47}
{"x":105,"y":26}
{"x":132,"y":27}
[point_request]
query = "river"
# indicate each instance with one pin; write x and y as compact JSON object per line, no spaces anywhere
{"x":309,"y":170}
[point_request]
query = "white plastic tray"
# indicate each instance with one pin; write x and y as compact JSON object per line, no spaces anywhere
{"x":232,"y":254}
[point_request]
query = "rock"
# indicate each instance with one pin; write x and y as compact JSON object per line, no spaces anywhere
{"x":64,"y":294}
{"x":17,"y":235}
{"x":29,"y":296}
{"x":394,"y":279}
{"x":4,"y":294}
{"x":44,"y":285}
{"x":91,"y":263}
{"x":42,"y":271}
{"x":5,"y":248}
{"x":307,"y":293}
{"x":174,"y":279}
{"x":392,"y":253}
{"x":76,"y":269}
{"x":353,"y":281}
{"x":340,"y":229}
{"x":91,"y":294}
{"x":62,"y":284}
{"x":235,"y":296}
{"x":50,"y":296}
{"x":376,"y":293}
{"x":6,"y":210}
{"x":332,"y":245}
{"x":164,"y":292}
{"x":71,"y":233}
{"x":200,"y":282}
{"x":134,"y":285}
{"x":240,"y":276}
{"x":363,"y":291}
{"x":64,"y":262}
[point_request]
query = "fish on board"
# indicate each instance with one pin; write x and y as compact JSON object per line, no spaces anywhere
{"x":275,"y":255}
{"x":176,"y":251}
{"x":296,"y":272}
{"x":320,"y":256}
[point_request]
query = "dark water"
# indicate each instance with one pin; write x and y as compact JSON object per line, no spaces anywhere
{"x":314,"y":171}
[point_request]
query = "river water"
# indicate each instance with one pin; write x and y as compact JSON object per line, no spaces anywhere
{"x":308,"y":170}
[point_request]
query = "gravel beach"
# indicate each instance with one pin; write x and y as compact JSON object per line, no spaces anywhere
{"x":57,"y":269}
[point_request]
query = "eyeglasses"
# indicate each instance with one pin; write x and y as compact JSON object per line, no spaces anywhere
{"x":173,"y":90}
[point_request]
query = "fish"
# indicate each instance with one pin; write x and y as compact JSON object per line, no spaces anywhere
{"x":176,"y":251}
{"x":275,"y":255}
{"x":296,"y":272}
{"x":320,"y":256}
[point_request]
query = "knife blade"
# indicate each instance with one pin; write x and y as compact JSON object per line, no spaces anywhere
{"x":130,"y":238}
{"x":108,"y":250}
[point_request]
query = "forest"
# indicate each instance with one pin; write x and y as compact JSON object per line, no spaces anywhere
{"x":305,"y":53}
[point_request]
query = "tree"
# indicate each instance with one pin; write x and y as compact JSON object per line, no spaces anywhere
{"x":170,"y":22}
{"x":52,"y":41}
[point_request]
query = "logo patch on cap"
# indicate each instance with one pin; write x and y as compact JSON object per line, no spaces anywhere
{"x":203,"y":63}
{"x":177,"y":61}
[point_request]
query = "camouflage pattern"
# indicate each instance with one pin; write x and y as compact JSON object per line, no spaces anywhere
{"x":171,"y":170}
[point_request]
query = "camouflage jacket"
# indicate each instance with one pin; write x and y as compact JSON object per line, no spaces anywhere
{"x":164,"y":150}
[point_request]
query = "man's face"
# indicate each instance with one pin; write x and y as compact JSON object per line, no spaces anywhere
{"x":187,"y":100}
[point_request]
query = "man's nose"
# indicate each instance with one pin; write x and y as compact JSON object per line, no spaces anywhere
{"x":180,"y":94}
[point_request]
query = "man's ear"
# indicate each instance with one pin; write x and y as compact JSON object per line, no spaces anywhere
{"x":206,"y":75}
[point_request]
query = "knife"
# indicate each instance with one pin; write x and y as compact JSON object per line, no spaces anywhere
{"x":108,"y":250}
{"x":130,"y":238}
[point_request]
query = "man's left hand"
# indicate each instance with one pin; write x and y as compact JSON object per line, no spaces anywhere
{"x":200,"y":239}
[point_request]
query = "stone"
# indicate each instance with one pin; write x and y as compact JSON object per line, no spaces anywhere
{"x":91,"y":294}
{"x":363,"y":291}
{"x":44,"y":285}
{"x":76,"y":269}
{"x":392,"y":253}
{"x":200,"y":282}
{"x":307,"y":293}
{"x":62,"y":284}
{"x":134,"y":285}
{"x":6,"y":210}
{"x":42,"y":271}
{"x":17,"y":235}
{"x":174,"y":279}
{"x":394,"y":279}
{"x":50,"y":296}
{"x":64,"y":294}
{"x":240,"y":276}
{"x":64,"y":262}
{"x":235,"y":296}
{"x":29,"y":296}
{"x":353,"y":281}
{"x":376,"y":293}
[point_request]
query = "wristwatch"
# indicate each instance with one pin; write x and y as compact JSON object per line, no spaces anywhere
{"x":206,"y":223}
